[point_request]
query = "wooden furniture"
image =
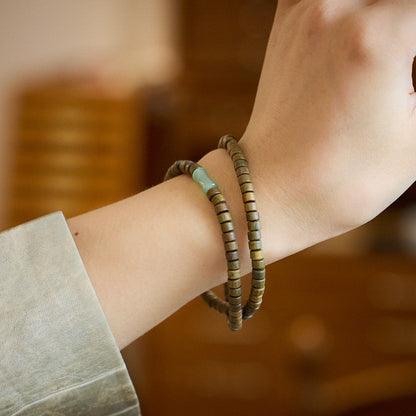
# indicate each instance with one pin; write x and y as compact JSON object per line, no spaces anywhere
{"x":77,"y":147}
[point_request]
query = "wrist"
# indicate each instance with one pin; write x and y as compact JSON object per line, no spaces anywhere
{"x":285,"y":220}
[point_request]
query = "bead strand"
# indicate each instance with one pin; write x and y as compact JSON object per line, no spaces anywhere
{"x":232,"y":305}
{"x":258,"y":280}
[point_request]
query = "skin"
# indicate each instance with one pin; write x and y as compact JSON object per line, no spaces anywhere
{"x":331,"y":143}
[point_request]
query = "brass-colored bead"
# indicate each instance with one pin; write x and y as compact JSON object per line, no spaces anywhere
{"x":244,"y":179}
{"x":234,"y":148}
{"x":247,"y":187}
{"x":221,"y":207}
{"x":259,"y":275}
{"x":257,"y":292}
{"x":258,"y":264}
{"x":193,"y":168}
{"x":234,"y":293}
{"x":250,"y":206}
{"x":239,"y":163}
{"x":255,"y":304}
{"x":254,"y":225}
{"x":255,"y":245}
{"x":234,"y":284}
{"x":237,"y":156}
{"x":235,"y":313}
{"x":249,"y":197}
{"x":242,"y":170}
{"x":235,"y":304}
{"x":182,"y":166}
{"x":224,"y":217}
{"x":231,"y":255}
{"x":212,"y":192}
{"x":227,"y":226}
{"x":228,"y":236}
{"x":188,"y":165}
{"x":254,"y":235}
{"x":255,"y":300}
{"x":234,"y":274}
{"x":224,"y":141}
{"x":231,"y":246}
{"x":233,"y":265}
{"x":256,"y":255}
{"x":217,"y":199}
{"x":252,"y":216}
{"x":257,"y":284}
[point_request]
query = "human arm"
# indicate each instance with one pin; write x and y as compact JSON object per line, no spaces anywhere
{"x":330,"y":144}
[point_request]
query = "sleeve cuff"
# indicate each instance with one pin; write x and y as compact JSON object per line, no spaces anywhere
{"x":57,"y":353}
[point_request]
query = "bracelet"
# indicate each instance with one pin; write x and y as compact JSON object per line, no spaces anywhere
{"x":258,"y":280}
{"x":232,"y":305}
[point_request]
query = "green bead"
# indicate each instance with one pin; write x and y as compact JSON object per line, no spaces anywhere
{"x":201,"y":176}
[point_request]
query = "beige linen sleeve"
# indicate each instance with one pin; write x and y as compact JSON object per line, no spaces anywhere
{"x":57,"y":353}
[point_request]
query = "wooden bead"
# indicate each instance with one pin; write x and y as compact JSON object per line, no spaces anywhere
{"x":234,"y":293}
{"x":221,"y":207}
{"x":257,"y":284}
{"x":234,"y":284}
{"x":255,"y":300}
{"x":247,"y":187}
{"x":257,"y":292}
{"x":254,"y":225}
{"x":242,"y":170}
{"x":233,"y":265}
{"x":250,"y":206}
{"x":182,"y":166}
{"x":224,"y":141}
{"x":234,"y":313}
{"x":228,"y":236}
{"x":237,"y":156}
{"x":256,"y":255}
{"x":244,"y":179}
{"x":228,"y":226}
{"x":231,"y":255}
{"x":217,"y":199}
{"x":224,"y":217}
{"x":212,"y":192}
{"x":249,"y":197}
{"x":258,"y":274}
{"x":234,"y":275}
{"x":252,"y":216}
{"x":258,"y":264}
{"x":239,"y":163}
{"x":255,"y":245}
{"x":193,"y":168}
{"x":254,"y":235}
{"x":233,"y":149}
{"x":231,"y":246}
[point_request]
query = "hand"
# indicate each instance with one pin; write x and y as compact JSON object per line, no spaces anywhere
{"x":332,"y":135}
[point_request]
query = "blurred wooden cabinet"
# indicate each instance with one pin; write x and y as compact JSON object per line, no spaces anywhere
{"x":77,"y":147}
{"x":221,"y":48}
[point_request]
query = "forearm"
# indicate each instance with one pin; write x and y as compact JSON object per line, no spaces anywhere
{"x":150,"y":254}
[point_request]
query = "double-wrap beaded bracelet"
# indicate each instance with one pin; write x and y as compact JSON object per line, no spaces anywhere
{"x":232,"y":305}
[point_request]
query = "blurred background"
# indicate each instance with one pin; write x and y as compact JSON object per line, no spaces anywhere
{"x":97,"y":99}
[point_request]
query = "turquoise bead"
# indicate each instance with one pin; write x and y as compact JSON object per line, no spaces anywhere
{"x":201,"y":176}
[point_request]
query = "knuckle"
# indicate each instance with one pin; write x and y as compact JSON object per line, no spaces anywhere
{"x":363,"y":38}
{"x":319,"y":14}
